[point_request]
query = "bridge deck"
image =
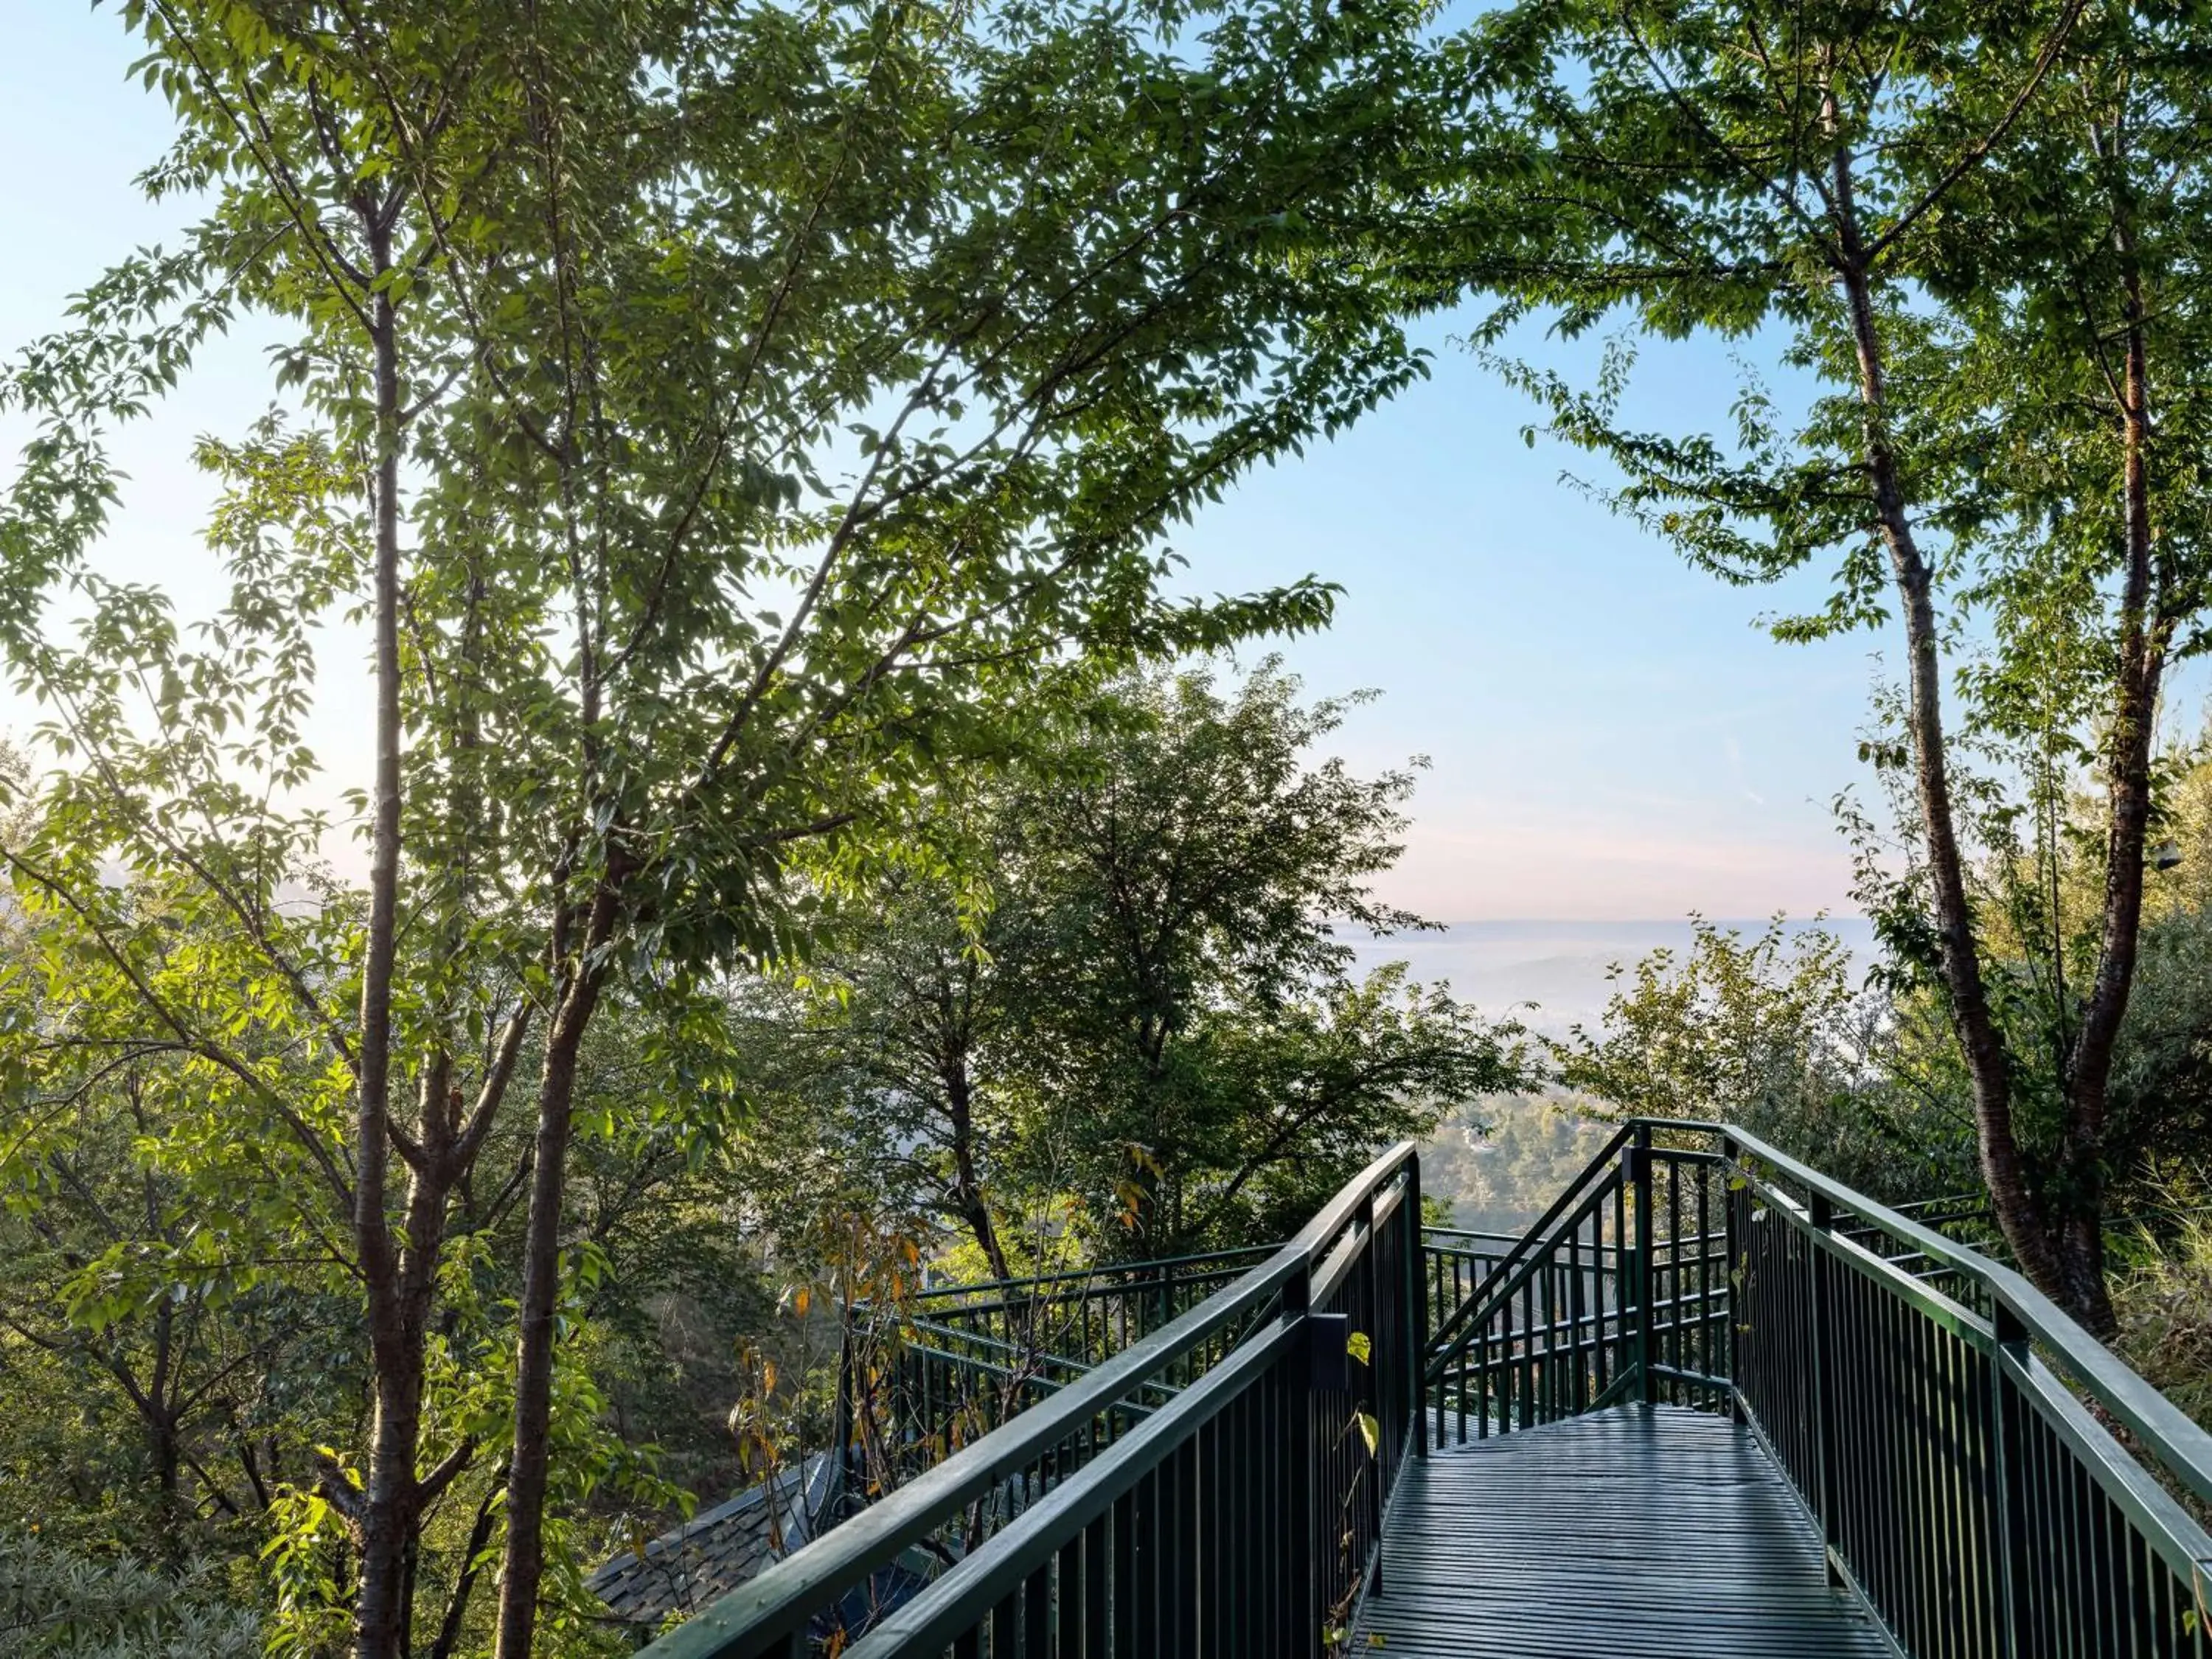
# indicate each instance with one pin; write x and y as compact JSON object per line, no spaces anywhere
{"x":1636,"y":1532}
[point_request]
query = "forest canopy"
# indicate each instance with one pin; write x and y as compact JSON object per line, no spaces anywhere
{"x":810,"y":836}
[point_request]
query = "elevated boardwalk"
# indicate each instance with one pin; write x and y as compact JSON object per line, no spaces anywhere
{"x":1636,"y":1532}
{"x":1643,"y":1430}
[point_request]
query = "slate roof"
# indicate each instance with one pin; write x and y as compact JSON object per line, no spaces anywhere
{"x":684,"y":1571}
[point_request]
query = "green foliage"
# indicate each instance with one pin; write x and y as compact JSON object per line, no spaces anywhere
{"x":1776,"y":1034}
{"x":735,"y":424}
{"x":2164,"y":1296}
{"x":1214,"y":1062}
{"x":57,"y":1604}
{"x":1497,"y":1165}
{"x":1687,"y":160}
{"x":1126,"y":1023}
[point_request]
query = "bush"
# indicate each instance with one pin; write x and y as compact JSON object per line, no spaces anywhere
{"x":56,"y":1603}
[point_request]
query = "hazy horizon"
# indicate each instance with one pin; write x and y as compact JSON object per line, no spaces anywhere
{"x":1552,"y":973}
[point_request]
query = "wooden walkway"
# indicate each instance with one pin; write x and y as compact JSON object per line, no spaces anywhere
{"x":1638,"y":1533}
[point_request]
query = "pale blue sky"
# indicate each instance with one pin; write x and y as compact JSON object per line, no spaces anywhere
{"x":1612,"y":736}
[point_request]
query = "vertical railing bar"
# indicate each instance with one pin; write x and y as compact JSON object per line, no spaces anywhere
{"x":1551,"y":1330}
{"x":1037,"y":1612}
{"x":1177,"y":1544}
{"x":1673,"y":1343}
{"x":1068,"y":1601}
{"x":1907,"y":1510}
{"x":1623,"y":1279}
{"x":1706,"y":1365}
{"x":1729,"y":1193}
{"x":1239,"y":1515}
{"x":1823,"y":1425}
{"x":2010,"y":1338}
{"x":1578,"y":1395}
{"x":1531,"y":1378}
{"x":1963,"y":1492}
{"x":1125,"y":1596}
{"x":1921,"y":1396}
{"x":1302,"y":1572}
{"x":1911,"y":1444}
{"x":1639,"y":1173}
{"x":1927,"y":1393}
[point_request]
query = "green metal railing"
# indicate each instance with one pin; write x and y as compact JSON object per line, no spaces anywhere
{"x":1455,"y":1260}
{"x":1082,"y":1316}
{"x":918,"y":1382}
{"x":1957,"y":1436}
{"x":1986,"y":1477}
{"x":1253,"y":1440}
{"x":1990,"y":1482}
{"x":1619,"y":1292}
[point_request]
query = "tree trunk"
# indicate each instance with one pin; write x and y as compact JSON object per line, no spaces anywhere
{"x":523,"y":1562}
{"x":968,"y":1190}
{"x":388,"y":1500}
{"x":160,"y":1408}
{"x":2128,"y":792}
{"x":2018,"y":1212}
{"x":456,"y":1606}
{"x":168,"y":1459}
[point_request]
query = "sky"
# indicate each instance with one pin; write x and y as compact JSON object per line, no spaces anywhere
{"x":1610,"y":735}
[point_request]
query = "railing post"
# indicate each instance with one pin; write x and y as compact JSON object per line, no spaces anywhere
{"x":1417,"y":1316}
{"x":1370,"y":1271}
{"x":1641,"y":1265}
{"x":1823,"y":1217}
{"x":2006,"y":1506}
{"x":1735,"y":1268}
{"x":1301,"y":1575}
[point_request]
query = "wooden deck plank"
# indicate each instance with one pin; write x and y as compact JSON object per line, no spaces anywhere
{"x":1632,"y":1533}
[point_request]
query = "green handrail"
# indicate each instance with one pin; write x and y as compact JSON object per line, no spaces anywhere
{"x":1530,"y":1240}
{"x":1948,"y":1428}
{"x":772,"y":1614}
{"x":2165,"y":1431}
{"x":1949,"y":1432}
{"x":964,"y":1601}
{"x":920,"y":1376}
{"x":1973,"y":1422}
{"x":1105,"y":1275}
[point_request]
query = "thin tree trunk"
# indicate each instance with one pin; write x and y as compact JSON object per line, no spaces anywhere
{"x":388,"y":1500}
{"x":457,"y":1607}
{"x":169,"y":1460}
{"x":2019,"y":1215}
{"x":2089,"y":1066}
{"x":523,"y":1563}
{"x":968,"y":1191}
{"x":160,"y":1415}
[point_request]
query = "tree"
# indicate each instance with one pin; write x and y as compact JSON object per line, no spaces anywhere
{"x":728,"y":421}
{"x":1969,"y":228}
{"x":905,"y":1052}
{"x":1205,"y":1032}
{"x":1118,"y":1019}
{"x":1775,"y":1033}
